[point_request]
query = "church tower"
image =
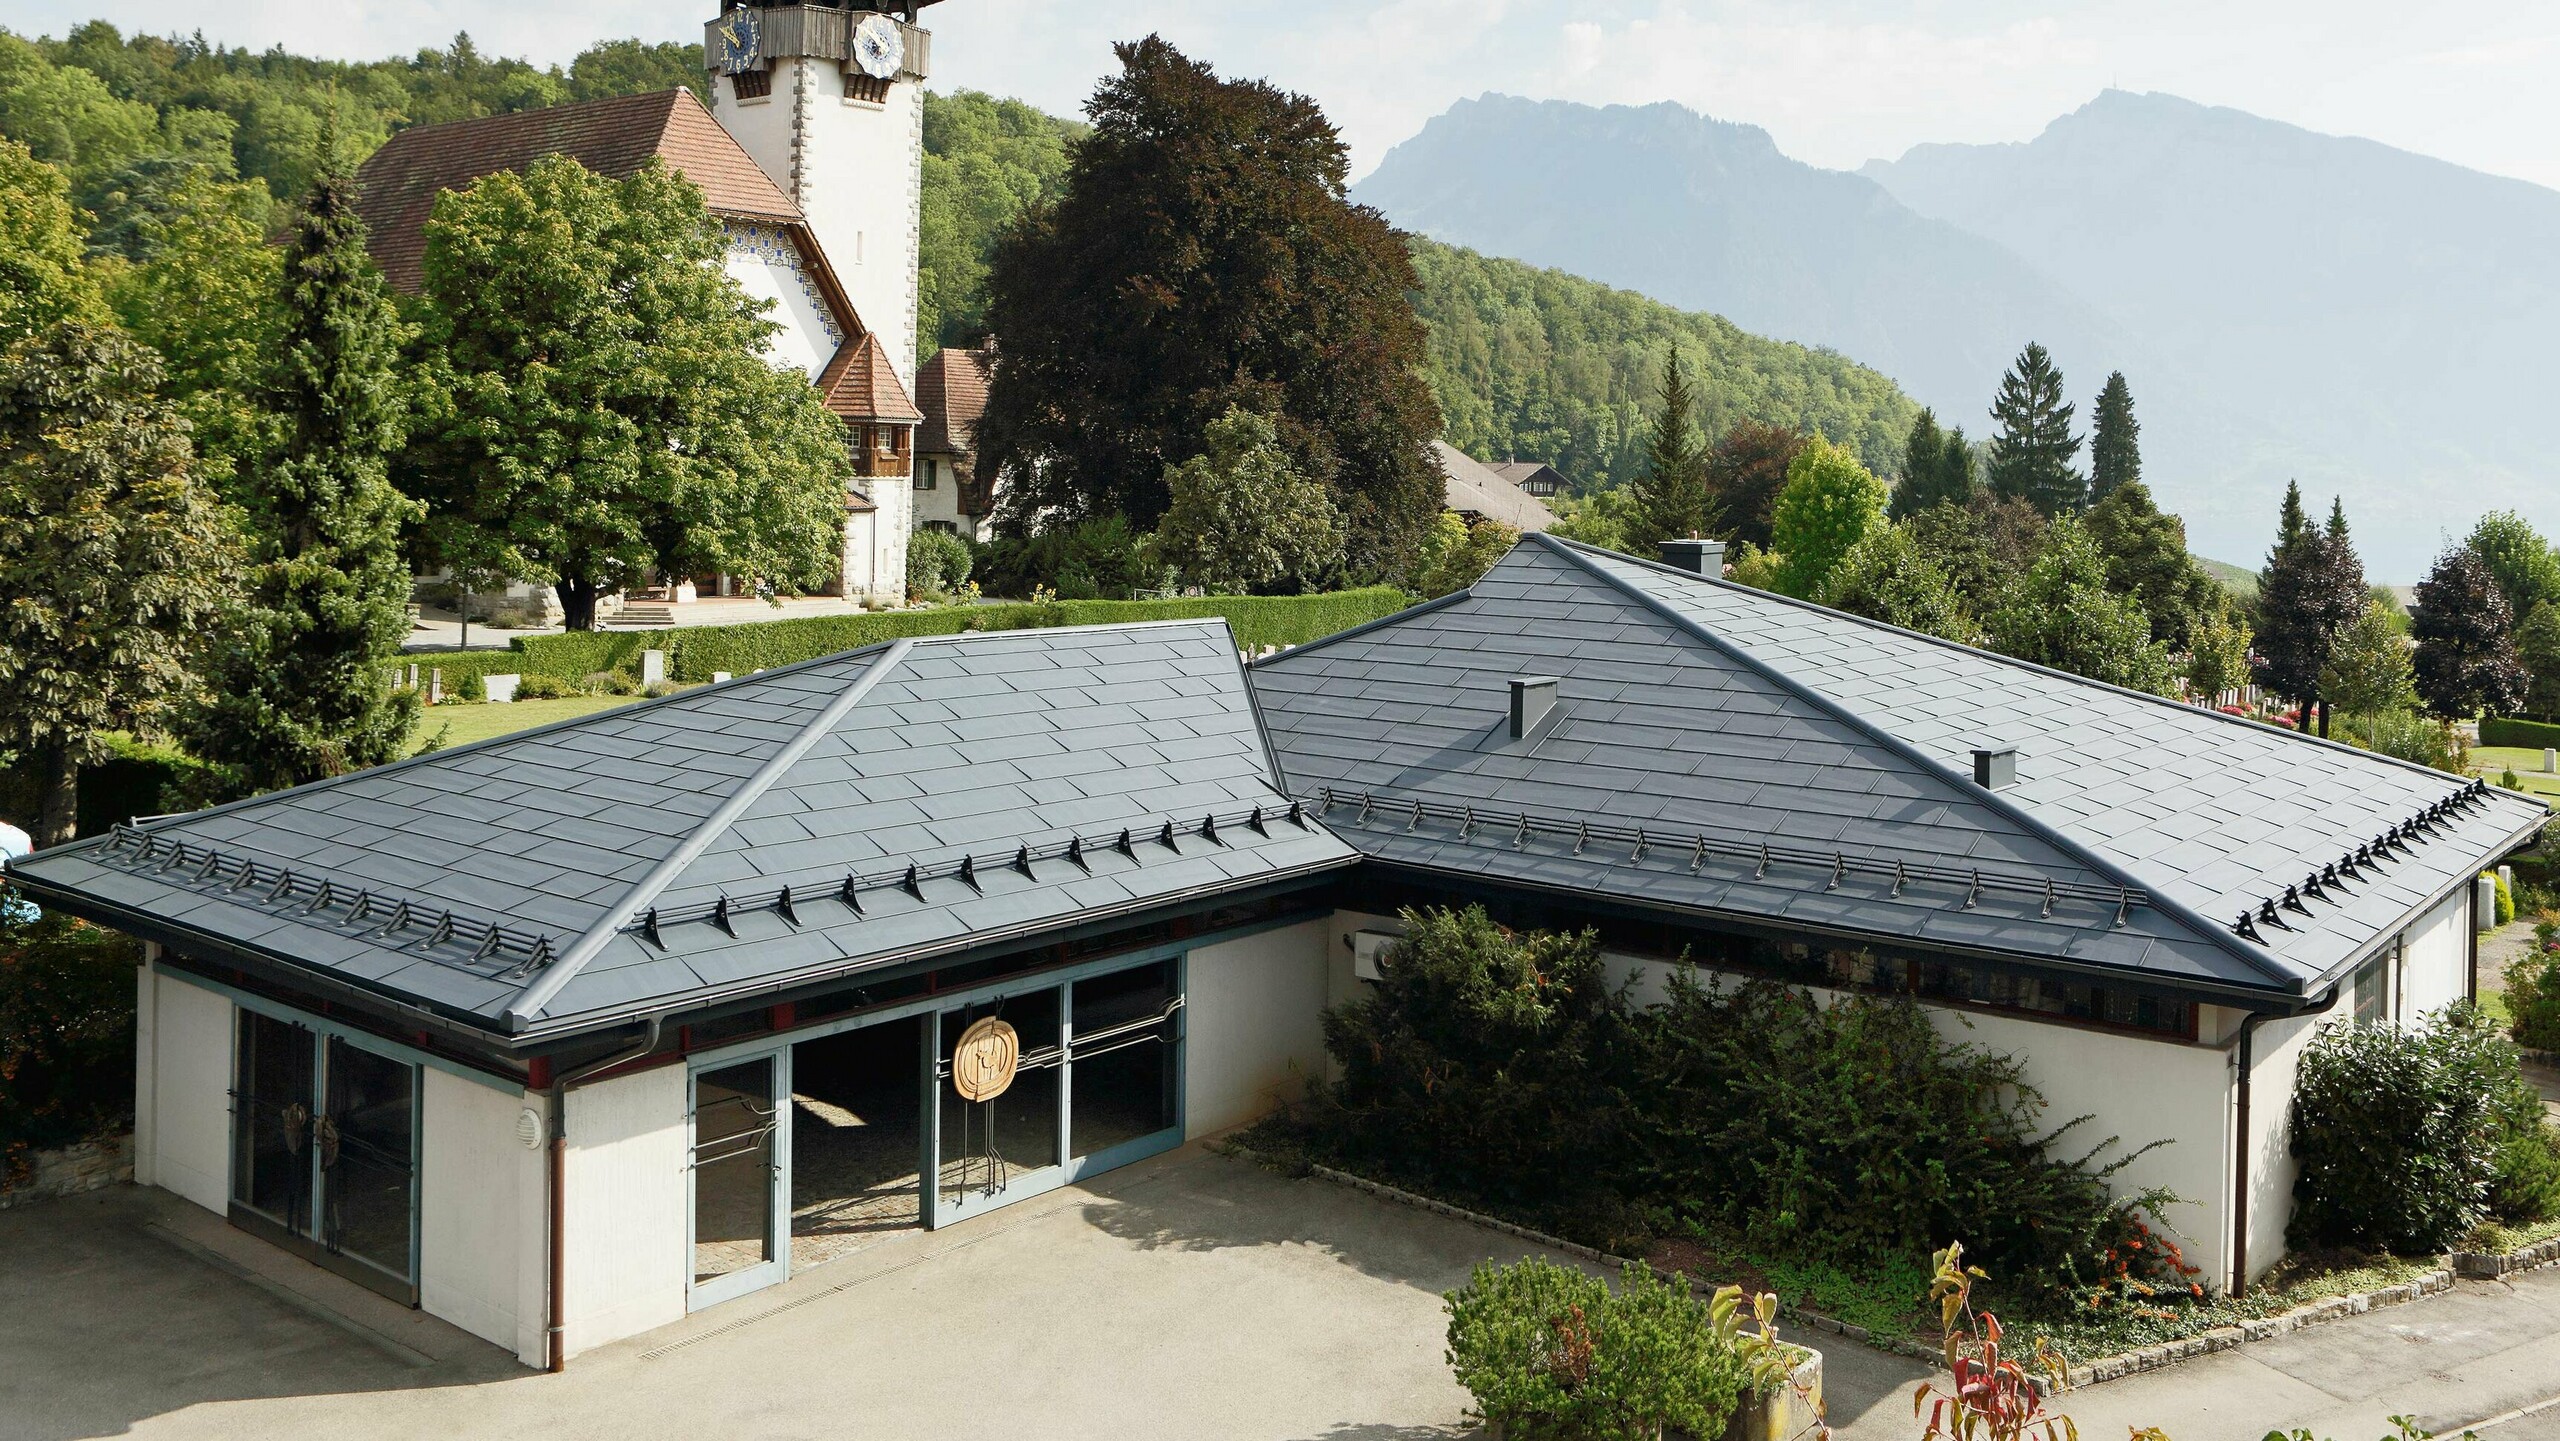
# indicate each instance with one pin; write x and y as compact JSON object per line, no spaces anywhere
{"x":829,"y":99}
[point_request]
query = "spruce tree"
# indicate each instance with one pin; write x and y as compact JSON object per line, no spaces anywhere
{"x":2341,"y":594}
{"x":1955,"y":468}
{"x":1671,"y":494}
{"x":2031,"y":456}
{"x":2292,"y":648}
{"x":299,"y":689}
{"x":1922,"y":454}
{"x":2115,"y":440}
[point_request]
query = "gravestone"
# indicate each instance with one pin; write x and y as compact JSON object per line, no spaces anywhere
{"x":501,"y":688}
{"x":653,"y":667}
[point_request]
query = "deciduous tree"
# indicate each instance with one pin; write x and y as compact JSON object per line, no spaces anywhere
{"x":2217,"y":654}
{"x":203,"y":294}
{"x":1670,"y":493}
{"x":1983,"y":545}
{"x":1830,"y":504}
{"x":596,"y":405}
{"x":2521,"y":561}
{"x":2538,"y":647}
{"x":1203,"y":254}
{"x":2062,"y":614}
{"x":113,"y":559}
{"x":1745,"y":472}
{"x":2147,"y":559}
{"x":2031,"y":454}
{"x":1243,"y":519}
{"x":1887,"y":577}
{"x":41,"y":278}
{"x":2466,"y":664}
{"x":297,"y":690}
{"x":2369,"y":670}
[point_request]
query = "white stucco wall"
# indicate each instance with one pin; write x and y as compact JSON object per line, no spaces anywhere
{"x":893,"y":524}
{"x":624,"y":1207}
{"x":482,"y":1253}
{"x":2438,"y":951}
{"x":765,"y":265}
{"x":2275,"y":1055}
{"x":942,"y":502}
{"x":1253,"y":1027}
{"x":856,"y":169}
{"x":182,"y":1094}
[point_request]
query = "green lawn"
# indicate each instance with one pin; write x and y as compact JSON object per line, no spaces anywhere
{"x":2492,"y":761}
{"x":463,"y":724}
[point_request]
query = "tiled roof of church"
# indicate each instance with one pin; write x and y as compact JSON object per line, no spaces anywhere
{"x":860,"y":384}
{"x":952,"y":390}
{"x":398,"y":186}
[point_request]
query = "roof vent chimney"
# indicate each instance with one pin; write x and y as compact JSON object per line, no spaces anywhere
{"x":1696,"y":556}
{"x":1533,"y":699}
{"x":1996,"y":770}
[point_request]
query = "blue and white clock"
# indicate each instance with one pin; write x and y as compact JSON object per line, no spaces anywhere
{"x":738,"y":34}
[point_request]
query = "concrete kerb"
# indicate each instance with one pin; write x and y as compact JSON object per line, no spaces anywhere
{"x":2104,"y":1369}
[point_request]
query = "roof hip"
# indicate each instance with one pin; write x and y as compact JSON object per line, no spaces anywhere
{"x":528,"y":1003}
{"x":2220,"y":936}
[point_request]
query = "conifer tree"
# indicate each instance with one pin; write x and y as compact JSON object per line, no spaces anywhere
{"x":2031,"y":456}
{"x":298,"y":689}
{"x":1671,"y":494}
{"x":1956,"y":469}
{"x":2115,"y":440}
{"x":2312,"y":587}
{"x":1922,"y":454}
{"x":2466,"y":663}
{"x":2147,"y":559}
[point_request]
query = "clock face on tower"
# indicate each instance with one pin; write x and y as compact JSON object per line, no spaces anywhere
{"x":737,"y":33}
{"x":878,"y":47}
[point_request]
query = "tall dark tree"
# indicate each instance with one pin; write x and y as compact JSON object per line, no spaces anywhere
{"x":2466,"y":662}
{"x":2115,"y":440}
{"x":2031,"y":456}
{"x":2311,"y":589}
{"x":2147,"y":559}
{"x":1937,"y":468}
{"x":1983,"y":545}
{"x":1671,"y":494}
{"x":1201,"y":255}
{"x":297,"y":690}
{"x":1746,"y":471}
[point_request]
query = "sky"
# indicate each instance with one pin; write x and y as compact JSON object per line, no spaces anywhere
{"x":1836,"y":82}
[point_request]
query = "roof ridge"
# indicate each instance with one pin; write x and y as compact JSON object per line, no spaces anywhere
{"x":2264,"y":964}
{"x":539,"y":992}
{"x":665,"y":97}
{"x":2179,"y":706}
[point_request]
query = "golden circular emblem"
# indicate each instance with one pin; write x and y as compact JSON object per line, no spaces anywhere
{"x":983,"y":1061}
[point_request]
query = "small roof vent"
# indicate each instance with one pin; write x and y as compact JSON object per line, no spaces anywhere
{"x":1696,"y":556}
{"x":1533,"y":699}
{"x":1996,"y":770}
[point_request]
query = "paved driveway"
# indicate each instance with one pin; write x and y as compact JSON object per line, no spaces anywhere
{"x":1187,"y":1297}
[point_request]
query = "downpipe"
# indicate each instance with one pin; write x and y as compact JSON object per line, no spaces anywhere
{"x":556,"y":1358}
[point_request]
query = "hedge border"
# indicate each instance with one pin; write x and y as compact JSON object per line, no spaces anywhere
{"x":2524,"y":734}
{"x":2105,"y":1368}
{"x":694,"y":653}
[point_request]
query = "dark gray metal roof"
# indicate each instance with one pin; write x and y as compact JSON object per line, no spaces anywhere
{"x":1698,"y":715}
{"x":958,"y":789}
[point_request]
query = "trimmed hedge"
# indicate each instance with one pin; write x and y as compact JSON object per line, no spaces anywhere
{"x":2509,"y":731}
{"x":694,"y":652}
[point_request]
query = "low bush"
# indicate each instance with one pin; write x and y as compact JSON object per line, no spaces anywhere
{"x":2511,"y":731}
{"x":1091,"y":560}
{"x":2533,"y":992}
{"x":1552,"y":1354}
{"x":537,"y":686}
{"x":2407,"y":1136}
{"x":2505,"y":909}
{"x":66,"y":1035}
{"x":608,"y":682}
{"x":937,"y":563}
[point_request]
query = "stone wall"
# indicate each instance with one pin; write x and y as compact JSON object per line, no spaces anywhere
{"x":72,"y":1170}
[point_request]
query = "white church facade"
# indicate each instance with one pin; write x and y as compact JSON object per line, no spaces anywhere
{"x":810,"y":159}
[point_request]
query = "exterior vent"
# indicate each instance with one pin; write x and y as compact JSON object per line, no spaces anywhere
{"x":1996,"y":770}
{"x":1369,"y":953}
{"x":1533,"y":699}
{"x":1696,"y":556}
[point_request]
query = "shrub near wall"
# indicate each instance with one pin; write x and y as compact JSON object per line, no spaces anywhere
{"x":66,"y":1035}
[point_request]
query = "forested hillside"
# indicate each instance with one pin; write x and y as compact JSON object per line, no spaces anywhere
{"x":152,"y":131}
{"x":1539,"y":363}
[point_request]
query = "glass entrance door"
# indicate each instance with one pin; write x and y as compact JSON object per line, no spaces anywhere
{"x":1007,"y":1146}
{"x":325,"y":1151}
{"x":741,"y":1232}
